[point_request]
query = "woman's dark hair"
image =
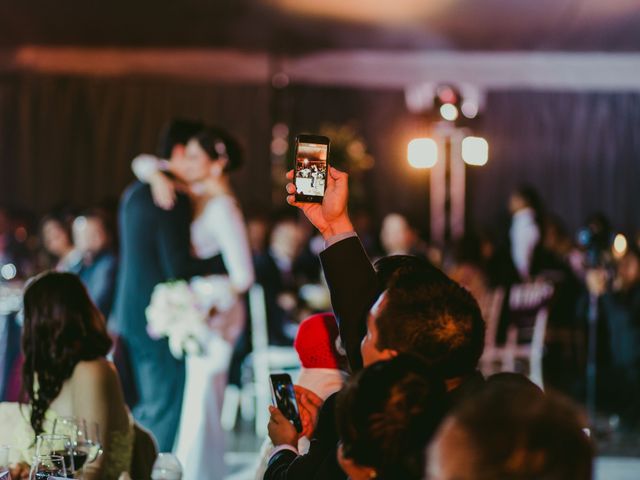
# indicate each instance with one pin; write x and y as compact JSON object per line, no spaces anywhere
{"x":387,"y":414}
{"x":62,"y":327}
{"x":220,"y":144}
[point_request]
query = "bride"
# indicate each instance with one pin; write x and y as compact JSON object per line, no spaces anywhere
{"x":217,"y":227}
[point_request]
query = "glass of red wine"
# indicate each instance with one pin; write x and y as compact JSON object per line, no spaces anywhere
{"x":59,"y":445}
{"x":44,"y":467}
{"x":73,"y":428}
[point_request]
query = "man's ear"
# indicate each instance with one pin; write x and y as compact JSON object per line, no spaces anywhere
{"x":388,"y":354}
{"x":353,"y":470}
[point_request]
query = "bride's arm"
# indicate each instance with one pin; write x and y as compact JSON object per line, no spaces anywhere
{"x":227,"y":224}
{"x":149,"y":169}
{"x":145,"y":166}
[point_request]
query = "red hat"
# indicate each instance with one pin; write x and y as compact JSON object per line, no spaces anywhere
{"x":316,"y":342}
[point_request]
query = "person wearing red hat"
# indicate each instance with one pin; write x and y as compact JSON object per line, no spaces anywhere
{"x":323,"y":372}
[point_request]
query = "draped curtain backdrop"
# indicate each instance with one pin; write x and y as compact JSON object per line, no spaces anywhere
{"x":581,"y":151}
{"x":70,"y":140}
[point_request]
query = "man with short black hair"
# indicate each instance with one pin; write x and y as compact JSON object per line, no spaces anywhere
{"x":407,"y":306}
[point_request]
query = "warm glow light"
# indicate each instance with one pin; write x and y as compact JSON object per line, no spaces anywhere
{"x":475,"y":151}
{"x":469,"y":109}
{"x":422,"y":153}
{"x":449,"y":111}
{"x":619,"y":246}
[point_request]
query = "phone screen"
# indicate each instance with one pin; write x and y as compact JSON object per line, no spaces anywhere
{"x":311,"y":169}
{"x":284,"y":397}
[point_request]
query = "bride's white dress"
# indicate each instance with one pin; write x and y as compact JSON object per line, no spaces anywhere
{"x":200,"y":440}
{"x":220,"y":228}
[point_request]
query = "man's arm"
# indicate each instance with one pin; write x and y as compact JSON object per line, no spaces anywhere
{"x":353,"y":287}
{"x":174,"y":244}
{"x":349,"y":273}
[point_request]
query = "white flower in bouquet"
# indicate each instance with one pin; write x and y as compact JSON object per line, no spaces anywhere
{"x":175,"y":313}
{"x":214,"y":292}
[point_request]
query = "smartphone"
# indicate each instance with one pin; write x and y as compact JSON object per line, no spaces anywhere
{"x":284,"y":397}
{"x":311,"y":167}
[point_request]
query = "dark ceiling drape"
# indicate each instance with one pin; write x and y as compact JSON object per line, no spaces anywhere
{"x":70,"y":140}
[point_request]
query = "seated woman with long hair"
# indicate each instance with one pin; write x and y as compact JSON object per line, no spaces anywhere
{"x":66,"y":374}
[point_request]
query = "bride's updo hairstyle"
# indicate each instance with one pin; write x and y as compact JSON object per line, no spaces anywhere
{"x":219,"y":144}
{"x":62,"y":327}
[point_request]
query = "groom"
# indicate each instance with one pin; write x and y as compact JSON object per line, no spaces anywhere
{"x":155,"y":247}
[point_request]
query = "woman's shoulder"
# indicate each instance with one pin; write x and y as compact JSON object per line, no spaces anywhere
{"x":94,"y":371}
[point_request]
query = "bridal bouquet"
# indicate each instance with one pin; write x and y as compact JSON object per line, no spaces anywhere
{"x":183,"y":312}
{"x":175,"y":313}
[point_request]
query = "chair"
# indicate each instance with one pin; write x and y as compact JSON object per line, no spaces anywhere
{"x":264,"y":359}
{"x":144,"y":453}
{"x":527,"y":315}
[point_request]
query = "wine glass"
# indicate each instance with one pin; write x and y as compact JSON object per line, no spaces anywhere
{"x":45,"y":466}
{"x":4,"y":463}
{"x":166,"y":467}
{"x":89,"y":441}
{"x":74,"y":428}
{"x":61,"y":445}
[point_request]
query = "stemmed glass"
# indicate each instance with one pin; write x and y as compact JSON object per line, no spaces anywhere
{"x":4,"y":463}
{"x":46,"y":466}
{"x":85,"y":439}
{"x":60,"y":445}
{"x":166,"y":467}
{"x":89,"y":440}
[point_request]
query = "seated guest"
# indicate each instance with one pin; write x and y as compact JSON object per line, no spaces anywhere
{"x":512,"y":431}
{"x":323,"y":371}
{"x":386,"y":415}
{"x":58,"y":243}
{"x":65,"y":372}
{"x":398,"y":237}
{"x":618,"y":338}
{"x":98,"y":266}
{"x":417,"y":310}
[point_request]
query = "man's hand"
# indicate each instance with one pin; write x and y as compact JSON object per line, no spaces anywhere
{"x":330,"y":217}
{"x":163,"y":191}
{"x":309,"y":405}
{"x":281,"y":430}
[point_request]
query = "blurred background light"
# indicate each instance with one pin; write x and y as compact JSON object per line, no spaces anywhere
{"x":422,"y":153}
{"x":475,"y":151}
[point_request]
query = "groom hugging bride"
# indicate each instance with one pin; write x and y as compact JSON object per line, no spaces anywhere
{"x":183,"y":203}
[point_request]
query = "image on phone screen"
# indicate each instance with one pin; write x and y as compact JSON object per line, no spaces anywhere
{"x":284,"y":398}
{"x":311,"y":169}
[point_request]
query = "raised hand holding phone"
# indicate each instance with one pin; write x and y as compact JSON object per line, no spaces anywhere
{"x":311,"y":163}
{"x":330,"y":217}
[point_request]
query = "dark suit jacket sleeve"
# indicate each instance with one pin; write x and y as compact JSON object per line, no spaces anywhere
{"x":174,"y":244}
{"x":320,"y":462}
{"x":353,"y":287}
{"x":103,"y":283}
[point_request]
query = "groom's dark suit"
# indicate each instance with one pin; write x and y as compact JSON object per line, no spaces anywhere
{"x":155,"y":248}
